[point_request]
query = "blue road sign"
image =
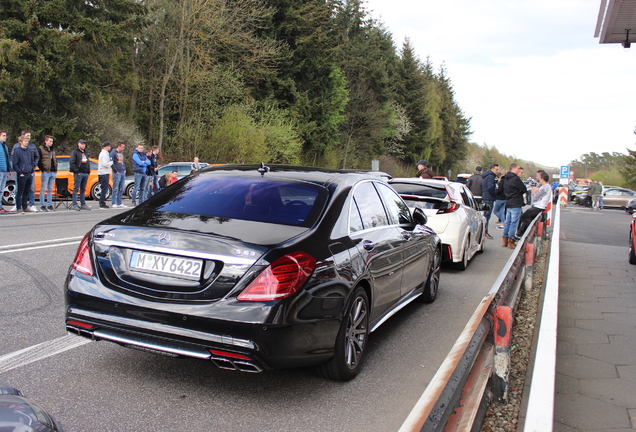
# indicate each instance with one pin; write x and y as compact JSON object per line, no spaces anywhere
{"x":565,"y":171}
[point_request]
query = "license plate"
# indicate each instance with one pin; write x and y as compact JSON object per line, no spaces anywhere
{"x":165,"y":264}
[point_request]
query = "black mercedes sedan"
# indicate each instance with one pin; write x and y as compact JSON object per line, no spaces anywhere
{"x":254,"y":268}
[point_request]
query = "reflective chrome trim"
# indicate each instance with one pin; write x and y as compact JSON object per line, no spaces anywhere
{"x":164,"y":328}
{"x":149,"y":345}
{"x":227,"y":259}
{"x":393,"y":311}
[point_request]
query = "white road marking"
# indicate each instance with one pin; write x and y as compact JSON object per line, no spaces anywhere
{"x":40,"y":351}
{"x":40,"y":245}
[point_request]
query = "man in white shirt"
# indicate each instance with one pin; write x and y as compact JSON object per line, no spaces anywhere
{"x":541,"y":197}
{"x":103,"y":172}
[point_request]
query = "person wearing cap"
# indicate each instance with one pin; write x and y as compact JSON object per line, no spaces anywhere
{"x":104,"y":163}
{"x":474,"y":183}
{"x":48,"y":170}
{"x":81,"y":168}
{"x":423,"y":171}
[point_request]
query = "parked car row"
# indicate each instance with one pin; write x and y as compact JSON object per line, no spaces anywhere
{"x":255,"y":267}
{"x":613,"y":196}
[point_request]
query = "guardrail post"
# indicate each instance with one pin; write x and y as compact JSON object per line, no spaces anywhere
{"x":529,"y":265}
{"x":540,"y":237}
{"x":503,"y":335}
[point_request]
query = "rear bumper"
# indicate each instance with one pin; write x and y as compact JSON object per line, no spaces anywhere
{"x":263,"y":336}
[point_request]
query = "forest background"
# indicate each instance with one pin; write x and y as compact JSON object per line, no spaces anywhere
{"x":312,"y":82}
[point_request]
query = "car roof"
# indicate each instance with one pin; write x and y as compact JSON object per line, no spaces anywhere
{"x":293,"y":172}
{"x":427,"y":182}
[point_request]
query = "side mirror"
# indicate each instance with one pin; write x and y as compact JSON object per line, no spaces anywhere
{"x":419,"y":216}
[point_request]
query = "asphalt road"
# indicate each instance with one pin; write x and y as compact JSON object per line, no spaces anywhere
{"x":100,"y":386}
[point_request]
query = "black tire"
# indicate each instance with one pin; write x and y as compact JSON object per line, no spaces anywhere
{"x":482,"y":245}
{"x":351,"y":343}
{"x":632,"y":252}
{"x":464,"y":262}
{"x":432,"y":282}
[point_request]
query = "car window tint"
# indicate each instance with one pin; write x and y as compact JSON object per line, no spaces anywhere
{"x":397,"y":211}
{"x":419,"y":190}
{"x":613,"y":192}
{"x":370,"y":206}
{"x":259,"y":200}
{"x":465,"y":198}
{"x":93,"y":165}
{"x":355,"y":220}
{"x":63,"y":164}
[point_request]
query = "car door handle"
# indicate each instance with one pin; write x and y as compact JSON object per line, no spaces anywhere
{"x":368,"y":245}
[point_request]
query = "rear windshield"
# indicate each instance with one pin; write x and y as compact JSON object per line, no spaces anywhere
{"x":251,"y":199}
{"x":419,"y":190}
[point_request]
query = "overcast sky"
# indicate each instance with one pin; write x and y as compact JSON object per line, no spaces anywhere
{"x":529,"y":73}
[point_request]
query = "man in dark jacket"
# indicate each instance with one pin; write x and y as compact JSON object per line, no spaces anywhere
{"x":24,"y":167}
{"x":423,"y":171}
{"x":80,"y":166}
{"x":474,"y":183}
{"x":514,"y":190}
{"x":489,"y":192}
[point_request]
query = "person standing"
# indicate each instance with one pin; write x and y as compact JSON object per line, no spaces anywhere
{"x":489,"y":192}
{"x":139,"y":162}
{"x":153,"y":181}
{"x":595,"y":192}
{"x":514,"y":189}
{"x":474,"y":183}
{"x":81,"y":168}
{"x":119,"y":175}
{"x":48,"y":170}
{"x":195,"y":166}
{"x":24,"y":167}
{"x":33,"y":150}
{"x":5,"y":166}
{"x":500,"y":201}
{"x":423,"y":171}
{"x":104,"y":163}
{"x":541,"y":197}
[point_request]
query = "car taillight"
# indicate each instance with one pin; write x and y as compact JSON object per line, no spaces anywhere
{"x":280,"y":279}
{"x":452,"y":206}
{"x":82,"y":262}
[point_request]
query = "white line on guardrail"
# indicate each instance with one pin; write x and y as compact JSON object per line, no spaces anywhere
{"x":540,"y":411}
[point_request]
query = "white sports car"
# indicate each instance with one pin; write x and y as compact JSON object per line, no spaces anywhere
{"x":452,"y":212}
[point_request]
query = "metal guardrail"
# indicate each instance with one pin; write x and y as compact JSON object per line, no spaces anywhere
{"x":477,"y":367}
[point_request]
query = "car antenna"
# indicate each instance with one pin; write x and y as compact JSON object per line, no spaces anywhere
{"x":263,"y":169}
